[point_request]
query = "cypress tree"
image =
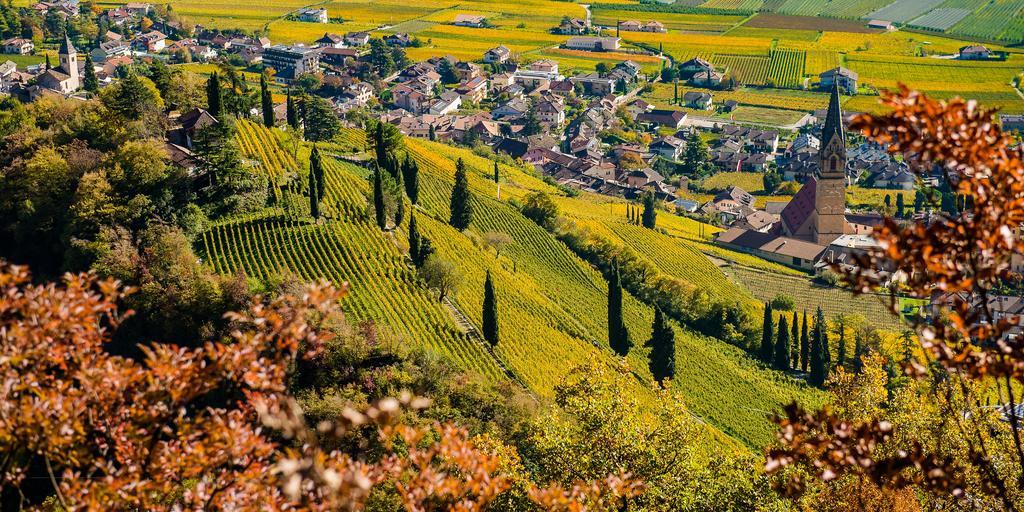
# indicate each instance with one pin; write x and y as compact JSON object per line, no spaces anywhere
{"x":90,"y":82}
{"x":426,"y":249}
{"x":618,"y":335}
{"x":378,"y":199}
{"x":214,"y":96}
{"x":316,"y":168}
{"x":767,"y":331}
{"x":412,"y":182}
{"x":650,"y":211}
{"x":805,"y":347}
{"x":900,"y":206}
{"x":414,"y":239}
{"x":818,"y":373}
{"x":497,"y":173}
{"x":826,"y":352}
{"x":794,"y":339}
{"x":858,"y":353}
{"x":291,"y":112}
{"x":48,"y":67}
{"x":314,"y":201}
{"x":841,"y":349}
{"x":490,"y":318}
{"x":432,"y":135}
{"x":781,"y":361}
{"x":461,"y":210}
{"x":662,"y":358}
{"x":266,"y":102}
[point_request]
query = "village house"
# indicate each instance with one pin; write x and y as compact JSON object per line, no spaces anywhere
{"x":497,"y":55}
{"x":572,"y":26}
{"x":594,"y":84}
{"x":313,"y":15}
{"x":18,"y":46}
{"x":513,"y":109}
{"x":661,"y":117}
{"x":188,"y":124}
{"x":470,"y":20}
{"x":974,"y":52}
{"x":331,"y":41}
{"x":410,"y":99}
{"x":449,"y":101}
{"x":592,"y":43}
{"x":467,"y":70}
{"x":844,"y":78}
{"x":400,"y":39}
{"x":707,"y":78}
{"x":137,"y":9}
{"x":337,"y":56}
{"x":667,"y":147}
{"x":694,"y":66}
{"x":698,"y":100}
{"x":357,"y":38}
{"x":638,"y":26}
{"x":152,"y":41}
{"x":538,"y":73}
{"x":550,"y":112}
{"x":473,"y":90}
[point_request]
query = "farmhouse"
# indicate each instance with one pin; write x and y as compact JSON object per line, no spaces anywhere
{"x":667,"y":147}
{"x":593,"y":44}
{"x":670,"y":118}
{"x":152,"y":41}
{"x":840,"y":76}
{"x":698,"y":100}
{"x":18,"y":46}
{"x":398,"y":39}
{"x":497,"y":55}
{"x":470,"y":20}
{"x":638,"y":26}
{"x":594,"y":84}
{"x":313,"y":15}
{"x":473,"y":90}
{"x":974,"y":52}
{"x":572,"y":26}
{"x":694,"y":66}
{"x":707,"y":78}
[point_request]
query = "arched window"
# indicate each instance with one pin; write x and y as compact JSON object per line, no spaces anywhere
{"x":833,"y":163}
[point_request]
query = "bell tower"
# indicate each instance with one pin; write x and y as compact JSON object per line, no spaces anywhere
{"x":69,"y":61}
{"x":830,"y":195}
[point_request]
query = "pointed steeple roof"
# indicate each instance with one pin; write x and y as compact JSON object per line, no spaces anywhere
{"x":66,"y":48}
{"x":833,"y":120}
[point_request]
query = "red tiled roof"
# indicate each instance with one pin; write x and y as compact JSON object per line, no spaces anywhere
{"x":795,"y":213}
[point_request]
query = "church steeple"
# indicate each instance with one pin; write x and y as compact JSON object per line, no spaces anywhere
{"x":832,"y":155}
{"x":69,"y":62}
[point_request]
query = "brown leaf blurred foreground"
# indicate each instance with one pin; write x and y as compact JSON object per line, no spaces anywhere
{"x":213,"y":428}
{"x":967,"y":354}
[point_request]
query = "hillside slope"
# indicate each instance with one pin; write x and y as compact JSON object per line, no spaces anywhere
{"x":552,"y":304}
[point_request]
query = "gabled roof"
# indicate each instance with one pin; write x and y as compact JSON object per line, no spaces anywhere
{"x":797,"y":211}
{"x":841,"y":71}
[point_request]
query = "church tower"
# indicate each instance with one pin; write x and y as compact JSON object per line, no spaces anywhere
{"x":69,"y":62}
{"x":830,"y":194}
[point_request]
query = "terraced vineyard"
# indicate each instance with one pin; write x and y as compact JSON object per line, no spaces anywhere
{"x":834,"y":301}
{"x":997,"y":20}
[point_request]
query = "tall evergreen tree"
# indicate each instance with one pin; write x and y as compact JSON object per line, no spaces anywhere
{"x":319,"y":119}
{"x":794,"y":340}
{"x":461,"y":209}
{"x":781,"y":359}
{"x":818,"y":363}
{"x":662,"y":358}
{"x":900,"y":205}
{"x":379,"y":207}
{"x":214,"y":96}
{"x":380,"y":146}
{"x":90,"y":82}
{"x":314,"y":193}
{"x":291,"y":111}
{"x":858,"y":352}
{"x":266,"y":102}
{"x":414,"y":238}
{"x":805,"y":345}
{"x":426,"y":249}
{"x":316,"y":169}
{"x":618,"y":335}
{"x":497,"y":173}
{"x":841,"y":349}
{"x":767,"y":350}
{"x":412,"y":179}
{"x":650,"y":211}
{"x":490,"y":316}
